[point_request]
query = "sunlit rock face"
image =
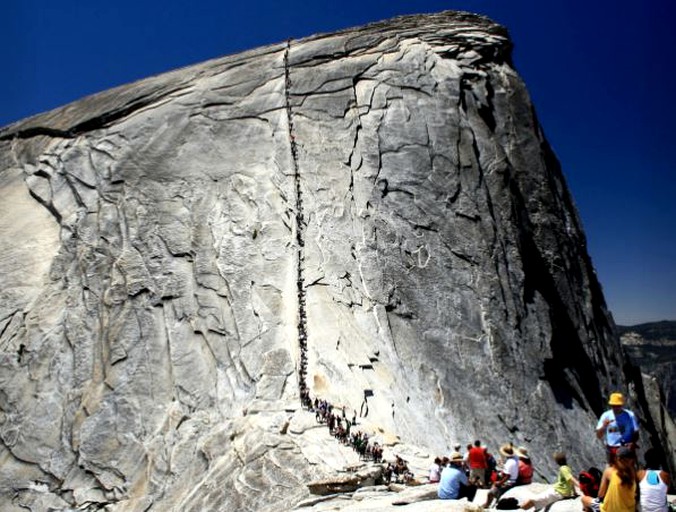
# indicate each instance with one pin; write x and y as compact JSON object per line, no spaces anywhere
{"x":386,"y":191}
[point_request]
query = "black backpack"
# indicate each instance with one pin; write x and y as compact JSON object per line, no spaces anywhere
{"x":507,"y":504}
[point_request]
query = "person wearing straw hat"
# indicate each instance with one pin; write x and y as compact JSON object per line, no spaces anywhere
{"x":525,"y":466}
{"x":617,"y":426}
{"x":507,"y":476}
{"x":454,"y":484}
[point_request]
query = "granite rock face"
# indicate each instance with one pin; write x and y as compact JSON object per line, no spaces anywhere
{"x":384,"y":194}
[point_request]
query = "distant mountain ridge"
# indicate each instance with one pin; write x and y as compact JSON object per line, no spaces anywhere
{"x":652,"y":347}
{"x":664,"y":330}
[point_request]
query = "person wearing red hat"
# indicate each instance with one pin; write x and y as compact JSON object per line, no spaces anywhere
{"x":617,"y":426}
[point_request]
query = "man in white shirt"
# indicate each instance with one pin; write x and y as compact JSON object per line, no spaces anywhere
{"x":507,"y":476}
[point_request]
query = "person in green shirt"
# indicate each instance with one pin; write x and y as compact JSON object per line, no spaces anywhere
{"x":564,"y":487}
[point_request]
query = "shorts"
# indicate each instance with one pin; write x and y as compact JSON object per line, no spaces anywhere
{"x":546,"y":498}
{"x":595,"y":505}
{"x":477,"y":473}
{"x":496,"y":491}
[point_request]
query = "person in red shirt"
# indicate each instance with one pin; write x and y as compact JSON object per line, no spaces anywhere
{"x":477,"y":460}
{"x":525,"y":467}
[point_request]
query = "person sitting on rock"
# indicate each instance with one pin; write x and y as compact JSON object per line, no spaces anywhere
{"x":454,"y":484}
{"x":400,"y":465}
{"x":403,"y":475}
{"x":653,"y":484}
{"x":618,"y":485}
{"x":506,"y":477}
{"x":435,"y":471}
{"x":525,"y":467}
{"x":564,"y":487}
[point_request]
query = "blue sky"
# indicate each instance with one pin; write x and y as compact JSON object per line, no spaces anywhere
{"x":601,"y":75}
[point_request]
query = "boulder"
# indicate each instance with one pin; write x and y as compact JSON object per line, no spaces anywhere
{"x":367,"y":477}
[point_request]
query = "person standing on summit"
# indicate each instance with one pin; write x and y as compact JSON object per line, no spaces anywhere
{"x":477,"y":460}
{"x":617,"y":426}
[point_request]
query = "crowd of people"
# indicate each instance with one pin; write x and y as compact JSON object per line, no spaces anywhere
{"x":341,"y":427}
{"x":336,"y":419}
{"x":623,"y":485}
{"x":460,"y":476}
{"x":398,"y":472}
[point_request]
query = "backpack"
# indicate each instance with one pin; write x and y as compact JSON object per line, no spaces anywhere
{"x":507,"y":504}
{"x":590,"y":481}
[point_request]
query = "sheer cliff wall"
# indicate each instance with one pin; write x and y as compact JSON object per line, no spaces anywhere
{"x":386,"y":190}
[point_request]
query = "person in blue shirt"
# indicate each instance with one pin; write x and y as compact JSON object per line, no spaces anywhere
{"x":454,"y":484}
{"x":617,"y":426}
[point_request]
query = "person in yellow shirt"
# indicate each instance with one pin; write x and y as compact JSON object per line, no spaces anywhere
{"x":618,"y":485}
{"x":564,"y":487}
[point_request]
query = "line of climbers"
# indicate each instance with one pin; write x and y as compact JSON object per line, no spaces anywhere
{"x":300,"y":220}
{"x":300,"y":232}
{"x":460,"y":477}
{"x":342,"y":428}
{"x":339,"y":427}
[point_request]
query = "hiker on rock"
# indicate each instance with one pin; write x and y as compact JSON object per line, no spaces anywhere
{"x":399,"y":470}
{"x":506,"y":477}
{"x":564,"y":487}
{"x":465,"y":461}
{"x":525,"y":467}
{"x":617,"y":426}
{"x":454,"y":484}
{"x":477,"y":460}
{"x":618,"y":485}
{"x":435,"y":471}
{"x":653,"y":484}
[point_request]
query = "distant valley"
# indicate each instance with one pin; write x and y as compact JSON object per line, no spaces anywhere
{"x":652,"y":346}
